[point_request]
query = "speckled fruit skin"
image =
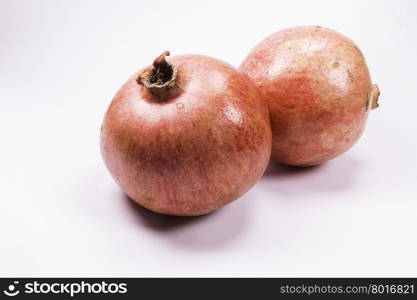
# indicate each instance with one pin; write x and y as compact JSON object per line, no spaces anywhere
{"x":194,"y":153}
{"x":319,"y":92}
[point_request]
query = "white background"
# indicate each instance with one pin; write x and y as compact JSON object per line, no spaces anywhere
{"x":61,"y":214}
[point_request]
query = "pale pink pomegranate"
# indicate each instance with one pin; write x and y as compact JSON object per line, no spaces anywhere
{"x":319,"y":91}
{"x":187,"y":135}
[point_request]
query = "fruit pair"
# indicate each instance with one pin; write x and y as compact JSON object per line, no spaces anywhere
{"x":191,"y":133}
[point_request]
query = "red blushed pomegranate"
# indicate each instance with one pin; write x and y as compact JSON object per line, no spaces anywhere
{"x":319,"y":92}
{"x":186,"y":135}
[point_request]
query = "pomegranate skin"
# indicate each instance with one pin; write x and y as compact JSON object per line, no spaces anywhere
{"x":319,"y":92}
{"x":195,"y":152}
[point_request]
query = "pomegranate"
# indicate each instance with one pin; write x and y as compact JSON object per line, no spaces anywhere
{"x":186,"y":135}
{"x":319,"y":92}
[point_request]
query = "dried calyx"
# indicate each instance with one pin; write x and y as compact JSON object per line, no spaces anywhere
{"x":375,"y":96}
{"x":160,"y":80}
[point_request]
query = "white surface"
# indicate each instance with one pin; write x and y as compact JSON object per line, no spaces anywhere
{"x":61,"y":214}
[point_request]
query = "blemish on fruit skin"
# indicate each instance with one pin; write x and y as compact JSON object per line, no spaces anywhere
{"x":290,"y":106}
{"x":366,"y":104}
{"x":349,"y":73}
{"x":148,"y":199}
{"x":335,"y":64}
